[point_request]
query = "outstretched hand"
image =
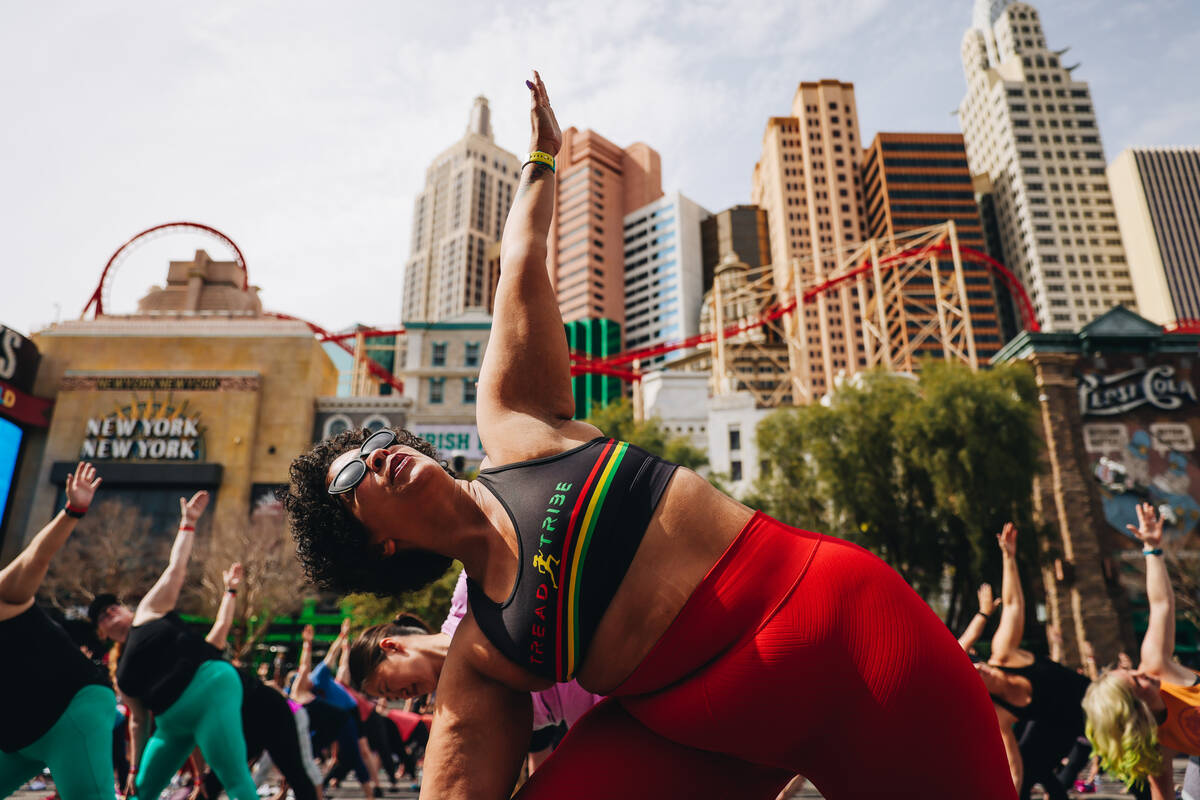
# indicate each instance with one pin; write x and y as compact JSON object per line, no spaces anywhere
{"x":308,"y":633}
{"x":191,"y":510}
{"x":82,"y":485}
{"x":1007,"y":539}
{"x":987,"y":601}
{"x":544,"y":134}
{"x":232,"y":577}
{"x":1150,"y":525}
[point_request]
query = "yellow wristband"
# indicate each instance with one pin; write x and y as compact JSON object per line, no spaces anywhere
{"x":538,"y":157}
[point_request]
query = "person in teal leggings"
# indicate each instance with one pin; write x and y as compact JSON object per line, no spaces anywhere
{"x":57,"y":706}
{"x":170,"y":671}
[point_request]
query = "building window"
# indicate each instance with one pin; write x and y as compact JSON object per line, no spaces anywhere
{"x":468,"y":390}
{"x":336,"y":424}
{"x":735,"y":470}
{"x":437,"y":390}
{"x":376,"y":422}
{"x":735,"y":438}
{"x":471,"y":355}
{"x":438,"y":356}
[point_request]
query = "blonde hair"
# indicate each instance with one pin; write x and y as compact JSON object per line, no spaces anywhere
{"x":1122,"y":730}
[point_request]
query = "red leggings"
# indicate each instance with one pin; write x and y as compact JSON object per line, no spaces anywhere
{"x":797,"y":654}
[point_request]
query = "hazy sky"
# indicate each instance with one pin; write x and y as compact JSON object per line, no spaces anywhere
{"x":303,"y":130}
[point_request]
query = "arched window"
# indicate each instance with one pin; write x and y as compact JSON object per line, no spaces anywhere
{"x":376,"y":422}
{"x":336,"y":424}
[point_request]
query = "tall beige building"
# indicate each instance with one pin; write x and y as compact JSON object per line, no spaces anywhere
{"x":598,"y":184}
{"x":808,"y":182}
{"x":1157,"y":196}
{"x":1029,"y":126}
{"x":456,"y":218}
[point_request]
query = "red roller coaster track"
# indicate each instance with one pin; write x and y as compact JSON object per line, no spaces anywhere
{"x":608,"y":366}
{"x":97,"y":298}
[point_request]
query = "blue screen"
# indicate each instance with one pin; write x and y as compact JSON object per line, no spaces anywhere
{"x":10,"y":446}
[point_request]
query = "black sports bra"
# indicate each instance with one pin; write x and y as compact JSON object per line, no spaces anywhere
{"x":579,"y":516}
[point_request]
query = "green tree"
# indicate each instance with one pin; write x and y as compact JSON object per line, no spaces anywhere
{"x":431,"y":603}
{"x":616,"y":420}
{"x":921,"y":472}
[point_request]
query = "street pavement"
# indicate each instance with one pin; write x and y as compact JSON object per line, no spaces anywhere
{"x":351,"y":791}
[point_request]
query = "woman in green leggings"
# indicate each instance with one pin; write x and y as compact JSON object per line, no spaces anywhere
{"x":168,"y":670}
{"x":58,"y":707}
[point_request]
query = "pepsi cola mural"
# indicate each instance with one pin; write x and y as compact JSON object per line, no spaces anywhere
{"x":1137,"y":459}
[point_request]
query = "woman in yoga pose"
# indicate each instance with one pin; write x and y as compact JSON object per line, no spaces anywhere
{"x":57,"y":706}
{"x":591,"y":559}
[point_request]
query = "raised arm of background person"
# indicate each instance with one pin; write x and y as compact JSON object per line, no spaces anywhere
{"x":20,"y":580}
{"x":1012,"y":748}
{"x":479,"y":736}
{"x":303,"y":682}
{"x":987,"y":604}
{"x":335,"y":647}
{"x":218,"y":635}
{"x":1158,"y":647}
{"x":164,"y":594}
{"x":139,"y":733}
{"x":1006,"y":641}
{"x":525,"y":378}
{"x":343,"y":671}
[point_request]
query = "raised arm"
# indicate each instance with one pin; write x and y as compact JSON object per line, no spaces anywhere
{"x":335,"y":647}
{"x":218,"y":635}
{"x":343,"y":672}
{"x":1007,"y":639}
{"x":20,"y":580}
{"x":1158,"y":646}
{"x":987,"y":604}
{"x":303,"y":683}
{"x":526,"y":369}
{"x":163,"y":596}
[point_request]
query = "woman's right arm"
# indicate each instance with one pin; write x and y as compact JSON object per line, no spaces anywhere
{"x":20,"y":580}
{"x":987,"y":604}
{"x":164,"y":594}
{"x":479,"y":737}
{"x":303,"y":682}
{"x":525,"y":378}
{"x":1158,"y":646}
{"x":1007,"y":639}
{"x":139,"y":732}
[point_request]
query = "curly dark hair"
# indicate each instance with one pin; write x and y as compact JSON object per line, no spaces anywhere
{"x":332,"y":545}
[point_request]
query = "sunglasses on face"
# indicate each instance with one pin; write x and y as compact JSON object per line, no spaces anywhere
{"x":352,"y":474}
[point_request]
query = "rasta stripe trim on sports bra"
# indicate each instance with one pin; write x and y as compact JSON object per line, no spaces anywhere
{"x":575,"y":548}
{"x":579,"y":517}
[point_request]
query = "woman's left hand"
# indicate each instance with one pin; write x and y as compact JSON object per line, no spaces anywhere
{"x":82,"y":485}
{"x":1150,"y":525}
{"x":191,"y":510}
{"x":233,"y":577}
{"x":544,"y":135}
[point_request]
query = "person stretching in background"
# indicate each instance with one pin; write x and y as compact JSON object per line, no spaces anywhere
{"x":56,"y":707}
{"x":268,"y":721}
{"x":167,"y":670}
{"x":1137,"y":720}
{"x":1038,"y":693}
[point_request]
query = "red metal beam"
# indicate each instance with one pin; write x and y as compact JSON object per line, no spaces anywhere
{"x":373,"y":366}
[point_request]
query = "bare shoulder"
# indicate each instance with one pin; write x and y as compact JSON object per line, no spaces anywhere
{"x":520,"y":437}
{"x":471,"y":647}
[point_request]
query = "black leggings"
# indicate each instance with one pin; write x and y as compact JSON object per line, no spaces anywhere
{"x":349,"y":758}
{"x":269,"y":725}
{"x":1043,"y":747}
{"x":376,"y":731}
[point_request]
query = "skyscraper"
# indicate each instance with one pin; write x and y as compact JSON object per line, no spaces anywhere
{"x":663,"y":273}
{"x":460,"y":213}
{"x":915,"y":180}
{"x":1029,"y":126}
{"x":1157,"y":197}
{"x":740,"y":230}
{"x":598,"y":184}
{"x":807,"y":180}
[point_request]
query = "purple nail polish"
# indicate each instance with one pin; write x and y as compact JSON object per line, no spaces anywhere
{"x":529,"y":84}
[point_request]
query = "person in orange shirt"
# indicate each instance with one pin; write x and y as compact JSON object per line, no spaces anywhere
{"x":1137,"y":720}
